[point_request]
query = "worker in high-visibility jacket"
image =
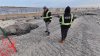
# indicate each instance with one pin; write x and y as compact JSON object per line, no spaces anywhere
{"x":65,"y":23}
{"x":47,"y":19}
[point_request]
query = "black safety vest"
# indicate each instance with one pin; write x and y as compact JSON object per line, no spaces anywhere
{"x":63,"y":23}
{"x":47,"y":15}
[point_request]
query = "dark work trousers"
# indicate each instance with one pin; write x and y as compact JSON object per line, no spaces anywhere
{"x":64,"y":32}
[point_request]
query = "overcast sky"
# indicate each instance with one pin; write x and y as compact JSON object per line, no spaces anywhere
{"x":49,"y":3}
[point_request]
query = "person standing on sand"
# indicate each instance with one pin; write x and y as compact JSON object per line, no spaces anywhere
{"x":65,"y":23}
{"x":47,"y":19}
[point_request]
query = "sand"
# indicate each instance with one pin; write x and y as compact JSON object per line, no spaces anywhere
{"x":83,"y":39}
{"x":6,"y":23}
{"x":16,"y":16}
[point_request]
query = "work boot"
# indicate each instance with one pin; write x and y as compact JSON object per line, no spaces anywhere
{"x":61,"y":41}
{"x":48,"y":33}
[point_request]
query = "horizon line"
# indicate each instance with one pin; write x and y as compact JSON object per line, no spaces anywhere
{"x":53,"y":7}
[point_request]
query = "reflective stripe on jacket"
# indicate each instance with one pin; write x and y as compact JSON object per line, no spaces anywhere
{"x":47,"y":15}
{"x":63,"y":23}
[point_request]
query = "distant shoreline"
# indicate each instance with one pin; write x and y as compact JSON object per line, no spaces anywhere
{"x":15,"y":16}
{"x":18,"y":10}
